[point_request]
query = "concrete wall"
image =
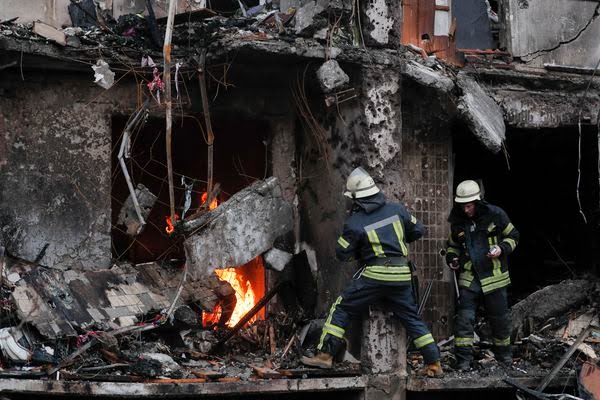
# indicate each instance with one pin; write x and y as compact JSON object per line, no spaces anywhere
{"x":562,"y":32}
{"x":52,"y":12}
{"x":55,"y":12}
{"x":55,"y":157}
{"x":381,"y":23}
{"x":402,"y":137}
{"x":55,"y":168}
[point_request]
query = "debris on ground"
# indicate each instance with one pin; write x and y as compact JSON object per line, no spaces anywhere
{"x":546,"y":324}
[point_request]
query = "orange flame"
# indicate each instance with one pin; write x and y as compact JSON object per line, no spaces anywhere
{"x":213,"y":204}
{"x":248,"y":283}
{"x":170,"y":228}
{"x":210,"y":319}
{"x":243,"y":293}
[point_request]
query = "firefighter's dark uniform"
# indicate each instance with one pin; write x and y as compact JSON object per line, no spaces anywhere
{"x":481,"y":277}
{"x":377,"y":233}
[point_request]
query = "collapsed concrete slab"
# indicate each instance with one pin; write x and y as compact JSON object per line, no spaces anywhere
{"x":481,"y":113}
{"x":313,"y":14}
{"x":242,"y":228}
{"x":551,"y":301}
{"x":59,"y":303}
{"x":427,"y":76}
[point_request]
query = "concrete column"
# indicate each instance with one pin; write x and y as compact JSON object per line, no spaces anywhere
{"x":383,"y":355}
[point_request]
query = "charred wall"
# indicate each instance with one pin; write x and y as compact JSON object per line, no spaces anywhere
{"x":403,"y":139}
{"x":361,"y":132}
{"x":56,"y":169}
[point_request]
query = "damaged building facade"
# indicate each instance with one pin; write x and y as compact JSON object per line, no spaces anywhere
{"x":111,"y":234}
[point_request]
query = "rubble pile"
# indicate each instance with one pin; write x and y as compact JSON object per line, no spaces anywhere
{"x":545,"y":325}
{"x":132,"y":36}
{"x":173,"y":320}
{"x":55,"y":327}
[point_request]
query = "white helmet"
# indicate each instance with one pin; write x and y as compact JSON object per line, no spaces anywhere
{"x":467,"y":191}
{"x":360,"y":184}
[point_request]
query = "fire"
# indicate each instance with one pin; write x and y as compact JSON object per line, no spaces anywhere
{"x":210,"y":319}
{"x":248,"y":281}
{"x":213,"y":204}
{"x":170,"y":228}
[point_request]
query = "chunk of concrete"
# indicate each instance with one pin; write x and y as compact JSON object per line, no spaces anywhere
{"x":277,"y":259}
{"x":551,"y":301}
{"x":61,"y":303}
{"x":481,"y":113}
{"x":128,"y":216}
{"x":167,"y":361}
{"x":313,"y":14}
{"x":242,"y":228}
{"x":308,"y":19}
{"x":50,"y":33}
{"x":103,"y":76}
{"x":331,"y":76}
{"x":427,"y":77}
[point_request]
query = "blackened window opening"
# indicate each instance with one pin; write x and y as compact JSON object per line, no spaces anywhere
{"x":539,"y":193}
{"x":239,"y":159}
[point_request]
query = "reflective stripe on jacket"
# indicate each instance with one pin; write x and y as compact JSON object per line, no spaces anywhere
{"x":379,"y":231}
{"x":470,"y":241}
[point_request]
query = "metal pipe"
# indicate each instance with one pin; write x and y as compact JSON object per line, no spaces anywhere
{"x":210,"y":137}
{"x":121,"y":156}
{"x":168,"y":104}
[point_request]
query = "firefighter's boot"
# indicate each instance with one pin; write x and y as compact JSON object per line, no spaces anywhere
{"x":432,"y":370}
{"x":463,"y":361}
{"x":462,"y":365}
{"x":504,"y":357}
{"x":321,"y":360}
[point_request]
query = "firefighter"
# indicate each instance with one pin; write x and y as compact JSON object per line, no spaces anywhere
{"x":481,"y":238}
{"x":376,"y":233}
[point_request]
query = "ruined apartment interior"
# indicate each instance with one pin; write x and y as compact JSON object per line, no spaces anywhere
{"x":171,"y":177}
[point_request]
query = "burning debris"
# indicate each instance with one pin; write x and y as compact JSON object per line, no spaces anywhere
{"x":88,"y":324}
{"x":100,"y":313}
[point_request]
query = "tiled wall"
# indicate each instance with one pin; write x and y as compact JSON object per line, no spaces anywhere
{"x":427,"y":172}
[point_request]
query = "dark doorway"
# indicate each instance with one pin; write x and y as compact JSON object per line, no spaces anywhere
{"x":239,"y":159}
{"x":535,"y":182}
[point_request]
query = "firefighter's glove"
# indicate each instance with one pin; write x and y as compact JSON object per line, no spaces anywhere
{"x":494,"y":252}
{"x":452,"y":261}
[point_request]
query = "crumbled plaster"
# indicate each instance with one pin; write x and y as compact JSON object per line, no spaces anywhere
{"x":382,"y":22}
{"x":380,"y":113}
